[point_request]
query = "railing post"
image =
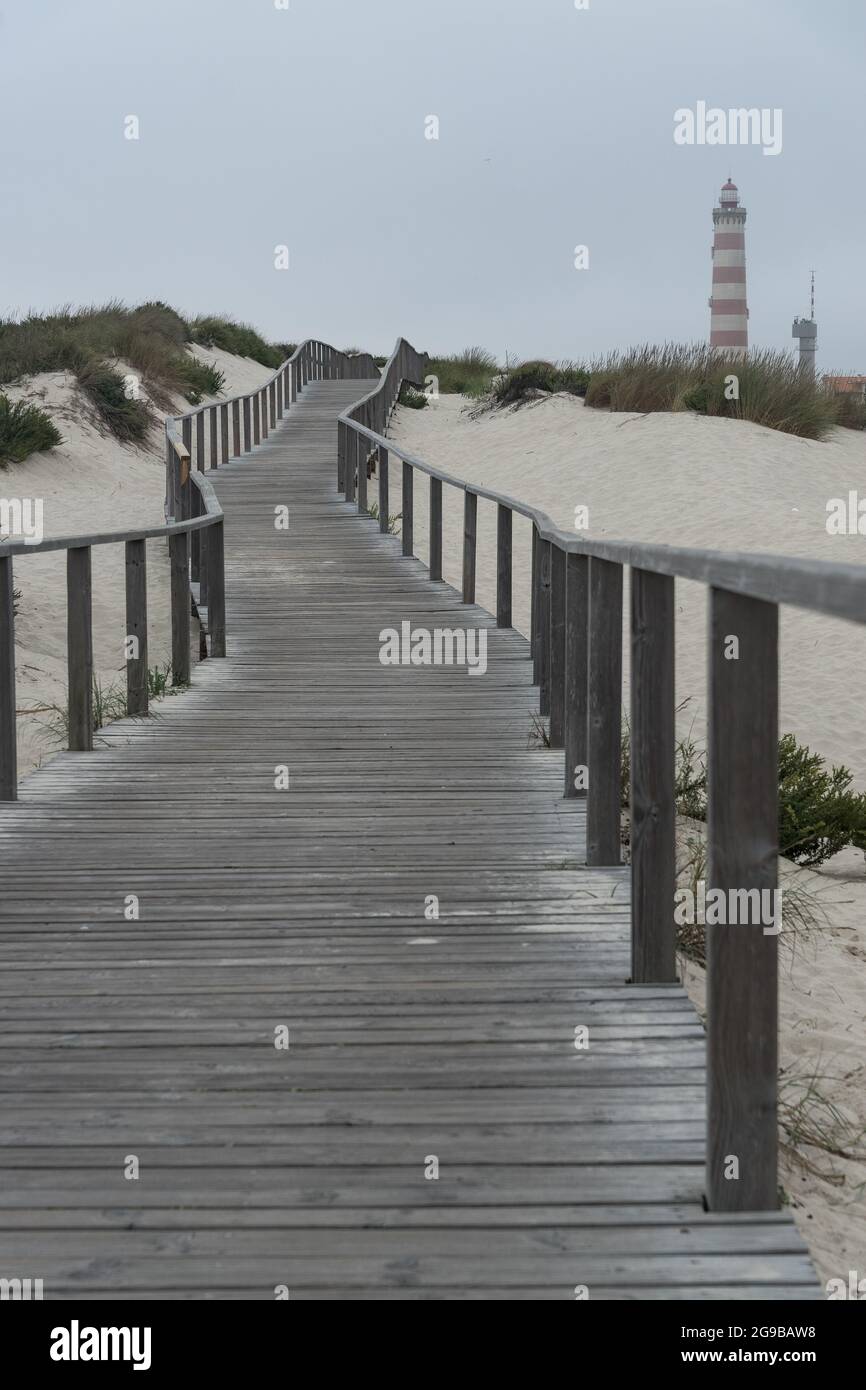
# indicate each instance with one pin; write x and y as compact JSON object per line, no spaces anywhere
{"x":470,"y":532}
{"x":351,"y":464}
{"x":247,"y":437}
{"x":216,"y":612}
{"x":533,"y":604}
{"x":503,"y":565}
{"x":742,"y":964}
{"x":263,"y":410}
{"x":342,"y":432}
{"x":224,"y":432}
{"x":435,"y":528}
{"x":604,"y":713}
{"x":136,"y":627}
{"x":408,"y":483}
{"x":543,"y":627}
{"x":651,"y":797}
{"x":8,"y":732}
{"x":362,"y":472}
{"x":576,"y":623}
{"x":383,"y":490}
{"x":557,"y":647}
{"x":79,"y":649}
{"x":257,"y":428}
{"x":193,"y":511}
{"x":199,"y":442}
{"x":236,"y":428}
{"x":212,"y":432}
{"x":180,"y":607}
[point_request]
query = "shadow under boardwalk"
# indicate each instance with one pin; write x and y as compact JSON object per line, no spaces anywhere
{"x":157,"y":1141}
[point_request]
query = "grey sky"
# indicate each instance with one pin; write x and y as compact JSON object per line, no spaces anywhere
{"x":261,"y":127}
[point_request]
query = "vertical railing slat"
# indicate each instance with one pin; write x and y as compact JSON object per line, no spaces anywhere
{"x":435,"y":565}
{"x":470,"y":535}
{"x":576,"y":626}
{"x":543,"y":653}
{"x":651,"y":794}
{"x":79,"y":649}
{"x":180,"y":608}
{"x":8,"y":729}
{"x":557,"y":646}
{"x":742,"y":963}
{"x":604,"y":713}
{"x":384,"y":503}
{"x":503,"y":565}
{"x":216,"y":588}
{"x":408,"y":520}
{"x":136,"y":626}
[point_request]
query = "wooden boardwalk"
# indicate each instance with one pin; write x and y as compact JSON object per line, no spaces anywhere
{"x":410,"y":1037}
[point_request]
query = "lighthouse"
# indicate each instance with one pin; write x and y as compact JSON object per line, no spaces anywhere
{"x":729,"y":314}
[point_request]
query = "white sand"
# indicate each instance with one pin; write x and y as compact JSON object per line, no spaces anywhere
{"x":90,"y":483}
{"x":730,"y":485}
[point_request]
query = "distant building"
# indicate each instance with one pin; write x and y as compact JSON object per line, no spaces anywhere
{"x":846,"y":385}
{"x":729,"y":313}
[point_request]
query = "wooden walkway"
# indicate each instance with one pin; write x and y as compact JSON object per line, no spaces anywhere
{"x":409,"y":1037}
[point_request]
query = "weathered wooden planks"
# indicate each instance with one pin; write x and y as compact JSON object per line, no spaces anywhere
{"x":410,"y":1035}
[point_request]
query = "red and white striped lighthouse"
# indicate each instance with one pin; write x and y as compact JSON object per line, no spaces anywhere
{"x":729,"y":314}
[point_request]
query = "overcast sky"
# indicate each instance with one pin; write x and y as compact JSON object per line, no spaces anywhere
{"x":262,"y":127}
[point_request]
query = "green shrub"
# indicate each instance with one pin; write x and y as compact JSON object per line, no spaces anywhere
{"x":24,"y":430}
{"x":520,"y":383}
{"x":818,"y":812}
{"x":129,"y":420}
{"x":199,"y":379}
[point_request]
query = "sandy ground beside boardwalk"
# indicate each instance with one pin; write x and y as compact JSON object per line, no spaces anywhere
{"x":729,"y":485}
{"x":90,"y":483}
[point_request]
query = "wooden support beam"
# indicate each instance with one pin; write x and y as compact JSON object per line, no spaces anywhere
{"x":216,"y":611}
{"x":8,"y":731}
{"x":742,"y":957}
{"x":383,"y":490}
{"x":544,"y":562}
{"x":79,"y":649}
{"x":651,"y":797}
{"x":136,"y":627}
{"x":604,"y":721}
{"x":503,"y":566}
{"x":557,"y":647}
{"x":408,"y":532}
{"x":435,"y":529}
{"x":180,"y":608}
{"x":575,"y":711}
{"x":470,"y":537}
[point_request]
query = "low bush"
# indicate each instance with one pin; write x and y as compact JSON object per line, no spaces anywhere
{"x":127,"y":419}
{"x":819,"y":814}
{"x":24,"y":430}
{"x":521,"y":383}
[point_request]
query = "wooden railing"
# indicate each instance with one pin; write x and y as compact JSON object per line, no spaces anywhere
{"x":194,"y":442}
{"x":576,"y":650}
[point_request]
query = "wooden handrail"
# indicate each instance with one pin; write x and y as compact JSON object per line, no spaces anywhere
{"x":576,"y":649}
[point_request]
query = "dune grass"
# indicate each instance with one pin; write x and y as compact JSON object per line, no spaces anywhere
{"x":766,"y":387}
{"x":241,"y":339}
{"x":467,"y":373}
{"x":24,"y":430}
